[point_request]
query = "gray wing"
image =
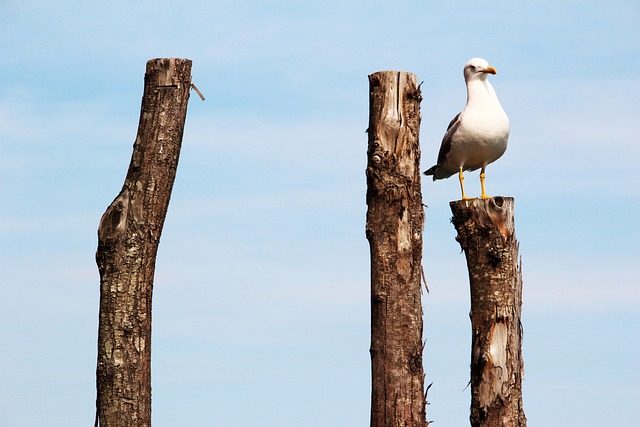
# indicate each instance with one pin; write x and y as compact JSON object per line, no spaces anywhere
{"x":445,"y":147}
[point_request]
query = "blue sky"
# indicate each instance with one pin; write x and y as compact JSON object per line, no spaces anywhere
{"x":261,"y":297}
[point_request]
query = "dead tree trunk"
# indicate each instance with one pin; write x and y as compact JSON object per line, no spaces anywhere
{"x":486,"y":233}
{"x":394,"y":229}
{"x":128,"y":238}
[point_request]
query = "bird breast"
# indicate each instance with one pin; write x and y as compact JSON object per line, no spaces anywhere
{"x":481,"y":138}
{"x":488,"y":125}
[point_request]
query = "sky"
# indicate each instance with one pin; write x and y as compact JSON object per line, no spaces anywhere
{"x":261,"y":296}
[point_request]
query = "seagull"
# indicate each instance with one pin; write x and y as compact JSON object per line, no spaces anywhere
{"x":478,"y":135}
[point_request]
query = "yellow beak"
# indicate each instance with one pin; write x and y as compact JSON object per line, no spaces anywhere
{"x":489,"y":70}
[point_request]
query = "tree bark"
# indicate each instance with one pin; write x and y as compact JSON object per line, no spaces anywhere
{"x":486,"y":233}
{"x":128,"y":238}
{"x":395,"y":220}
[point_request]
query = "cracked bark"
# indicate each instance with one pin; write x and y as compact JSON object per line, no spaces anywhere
{"x":395,"y":220}
{"x":128,"y":238}
{"x":486,"y":233}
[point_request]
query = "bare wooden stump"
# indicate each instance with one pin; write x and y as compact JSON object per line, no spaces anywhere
{"x":394,"y":229}
{"x":486,"y":233}
{"x":128,"y":238}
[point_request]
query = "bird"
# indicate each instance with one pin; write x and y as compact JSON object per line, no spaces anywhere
{"x":478,"y":135}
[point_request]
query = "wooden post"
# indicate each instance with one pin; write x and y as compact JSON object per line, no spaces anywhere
{"x":128,"y":238}
{"x":394,"y":229}
{"x":486,"y":233}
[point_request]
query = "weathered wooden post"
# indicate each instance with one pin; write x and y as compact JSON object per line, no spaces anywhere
{"x":394,"y":229}
{"x":128,"y":238}
{"x":486,"y":233}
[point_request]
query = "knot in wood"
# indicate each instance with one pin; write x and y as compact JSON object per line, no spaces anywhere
{"x":110,"y":369}
{"x":494,"y":258}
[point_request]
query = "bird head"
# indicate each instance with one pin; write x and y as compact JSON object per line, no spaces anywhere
{"x":477,"y":68}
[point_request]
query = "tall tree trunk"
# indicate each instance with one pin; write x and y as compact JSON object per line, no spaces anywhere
{"x":128,"y":238}
{"x":486,"y":233}
{"x":394,"y":229}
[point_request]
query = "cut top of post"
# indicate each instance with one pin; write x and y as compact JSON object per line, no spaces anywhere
{"x":494,"y":212}
{"x":168,"y":71}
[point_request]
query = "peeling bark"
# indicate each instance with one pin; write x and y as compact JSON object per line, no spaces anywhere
{"x":486,"y":233}
{"x":128,"y":238}
{"x":395,"y":220}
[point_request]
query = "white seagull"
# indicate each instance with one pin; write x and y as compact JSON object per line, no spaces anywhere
{"x":477,"y":136}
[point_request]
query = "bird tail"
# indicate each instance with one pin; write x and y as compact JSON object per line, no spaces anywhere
{"x":431,"y":170}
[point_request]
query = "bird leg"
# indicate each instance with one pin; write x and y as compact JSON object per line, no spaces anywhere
{"x":461,"y":178}
{"x":484,"y":194}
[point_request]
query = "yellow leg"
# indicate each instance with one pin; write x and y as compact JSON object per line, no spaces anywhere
{"x":461,"y":178}
{"x":484,"y":193}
